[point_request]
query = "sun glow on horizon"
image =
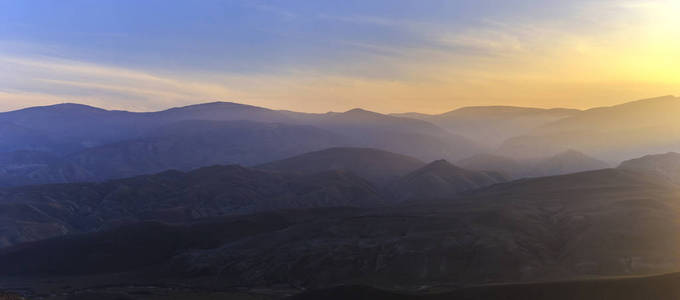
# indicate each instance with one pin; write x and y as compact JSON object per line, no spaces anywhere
{"x":576,"y":54}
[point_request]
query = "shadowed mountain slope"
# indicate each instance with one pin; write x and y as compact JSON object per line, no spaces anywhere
{"x":416,"y":138}
{"x":14,"y":137}
{"x":440,"y":179}
{"x":98,"y":144}
{"x":592,"y":224}
{"x":183,"y":145}
{"x":191,"y":144}
{"x":36,"y":212}
{"x":377,"y":166}
{"x":665,"y":165}
{"x":25,"y":167}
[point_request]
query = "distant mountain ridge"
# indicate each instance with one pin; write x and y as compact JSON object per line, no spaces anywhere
{"x":102,"y":144}
{"x":613,"y":134}
{"x":491,"y":125}
{"x":83,"y":138}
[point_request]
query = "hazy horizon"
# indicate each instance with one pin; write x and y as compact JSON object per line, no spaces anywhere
{"x":384,"y":56}
{"x":327,"y":111}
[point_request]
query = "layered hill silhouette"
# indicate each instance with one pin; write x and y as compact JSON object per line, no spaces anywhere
{"x":566,"y":162}
{"x":37,"y":212}
{"x":140,"y":142}
{"x":377,"y":166}
{"x":335,"y":177}
{"x":184,"y":146}
{"x":407,"y":136}
{"x":83,"y":126}
{"x":254,"y":199}
{"x":545,"y":228}
{"x":665,"y":165}
{"x":441,"y":179}
{"x":188,"y":145}
{"x":613,"y":133}
{"x":97,"y":144}
{"x":491,"y":125}
{"x":593,"y":224}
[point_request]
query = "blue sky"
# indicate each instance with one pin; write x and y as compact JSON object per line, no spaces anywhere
{"x":389,"y":56}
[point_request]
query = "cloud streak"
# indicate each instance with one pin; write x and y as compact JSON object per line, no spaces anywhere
{"x":596,"y":53}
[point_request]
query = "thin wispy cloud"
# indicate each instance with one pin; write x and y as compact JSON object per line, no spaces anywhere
{"x":316,"y":56}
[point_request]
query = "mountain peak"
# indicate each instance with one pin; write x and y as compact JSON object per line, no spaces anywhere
{"x":570,"y":153}
{"x":216,"y":105}
{"x":441,"y":163}
{"x":441,"y":179}
{"x":441,"y":167}
{"x":64,"y":107}
{"x":360,"y":111}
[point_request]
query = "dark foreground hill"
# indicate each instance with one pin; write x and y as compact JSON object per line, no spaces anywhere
{"x":37,"y":212}
{"x":378,"y":166}
{"x":661,"y":287}
{"x":602,"y":223}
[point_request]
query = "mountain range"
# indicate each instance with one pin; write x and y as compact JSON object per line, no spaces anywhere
{"x":582,"y":225}
{"x":225,"y":200}
{"x":91,"y":144}
{"x":612,"y":133}
{"x":337,"y":177}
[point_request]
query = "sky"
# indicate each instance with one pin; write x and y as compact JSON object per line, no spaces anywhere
{"x":427,"y":56}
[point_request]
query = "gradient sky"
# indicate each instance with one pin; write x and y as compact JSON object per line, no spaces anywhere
{"x":384,"y":55}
